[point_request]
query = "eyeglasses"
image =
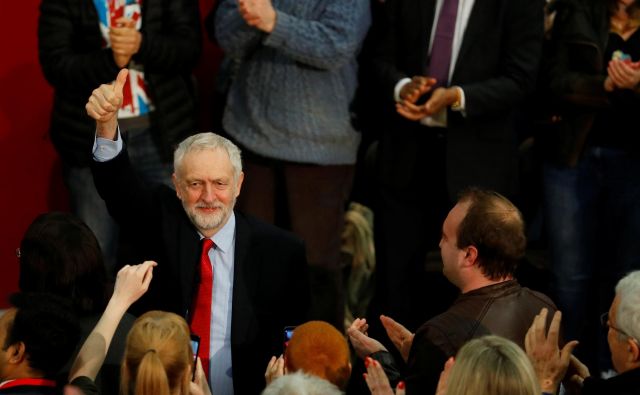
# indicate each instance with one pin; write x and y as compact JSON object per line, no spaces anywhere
{"x":604,"y":320}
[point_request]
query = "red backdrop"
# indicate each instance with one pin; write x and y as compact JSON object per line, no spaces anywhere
{"x":31,"y":176}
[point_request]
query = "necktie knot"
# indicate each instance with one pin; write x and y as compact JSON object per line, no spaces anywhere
{"x":207,"y":244}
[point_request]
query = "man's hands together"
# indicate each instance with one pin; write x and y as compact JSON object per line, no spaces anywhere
{"x":416,"y":88}
{"x":125,"y":41}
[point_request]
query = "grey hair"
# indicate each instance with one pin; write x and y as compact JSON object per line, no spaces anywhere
{"x":300,"y":383}
{"x":628,"y":314}
{"x":208,"y":141}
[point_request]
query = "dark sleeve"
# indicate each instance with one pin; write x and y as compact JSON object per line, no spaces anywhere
{"x":388,"y":363}
{"x":129,"y":201}
{"x":426,"y":361}
{"x":520,"y":49}
{"x":172,"y":41}
{"x":86,"y":385}
{"x":68,"y":60}
{"x":575,"y":61}
{"x":385,"y":44}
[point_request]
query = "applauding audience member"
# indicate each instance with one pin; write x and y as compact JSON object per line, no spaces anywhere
{"x":623,"y":323}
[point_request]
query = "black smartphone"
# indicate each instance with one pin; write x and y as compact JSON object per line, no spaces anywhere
{"x":195,"y":347}
{"x":287,"y":334}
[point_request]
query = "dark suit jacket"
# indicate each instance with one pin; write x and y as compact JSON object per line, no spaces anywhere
{"x":496,"y":68}
{"x":270,"y":284}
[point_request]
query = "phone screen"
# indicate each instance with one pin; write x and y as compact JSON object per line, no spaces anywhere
{"x":195,"y":347}
{"x":288,"y":333}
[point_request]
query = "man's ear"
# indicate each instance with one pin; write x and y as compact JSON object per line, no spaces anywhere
{"x":16,"y":353}
{"x":634,"y":351}
{"x":471,"y":255}
{"x":239,"y":183}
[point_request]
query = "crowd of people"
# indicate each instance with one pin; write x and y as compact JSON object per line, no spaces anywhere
{"x":420,"y":109}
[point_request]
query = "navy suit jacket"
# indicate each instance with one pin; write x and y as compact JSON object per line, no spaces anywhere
{"x":270,"y":284}
{"x":496,"y":68}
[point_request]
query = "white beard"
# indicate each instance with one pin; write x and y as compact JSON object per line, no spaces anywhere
{"x":208,"y":221}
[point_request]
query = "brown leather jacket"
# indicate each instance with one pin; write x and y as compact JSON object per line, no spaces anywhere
{"x":505,"y":309}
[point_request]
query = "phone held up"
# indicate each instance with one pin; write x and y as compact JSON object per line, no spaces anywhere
{"x":287,"y":334}
{"x":195,"y":347}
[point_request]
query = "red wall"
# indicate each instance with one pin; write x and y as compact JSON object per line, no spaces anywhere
{"x":30,"y":170}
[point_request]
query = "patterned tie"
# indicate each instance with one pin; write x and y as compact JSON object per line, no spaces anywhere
{"x":440,"y":59}
{"x":201,"y":316}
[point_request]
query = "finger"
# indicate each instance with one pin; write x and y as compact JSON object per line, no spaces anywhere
{"x":554,"y":328}
{"x":407,"y":113}
{"x":567,"y":352}
{"x":121,"y":79}
{"x":95,"y":105}
{"x":540,"y":323}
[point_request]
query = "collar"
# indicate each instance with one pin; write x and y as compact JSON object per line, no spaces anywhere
{"x":494,"y":289}
{"x":28,"y":382}
{"x":223,"y":239}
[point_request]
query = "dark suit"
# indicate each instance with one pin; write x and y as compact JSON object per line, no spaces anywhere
{"x":270,"y":284}
{"x":422,"y":169}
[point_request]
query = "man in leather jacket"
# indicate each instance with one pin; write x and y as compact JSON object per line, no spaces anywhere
{"x":482,"y":241}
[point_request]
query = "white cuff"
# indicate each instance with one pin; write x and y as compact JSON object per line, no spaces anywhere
{"x":398,"y":88}
{"x":105,"y":149}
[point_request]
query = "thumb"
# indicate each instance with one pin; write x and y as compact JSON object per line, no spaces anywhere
{"x":121,"y":79}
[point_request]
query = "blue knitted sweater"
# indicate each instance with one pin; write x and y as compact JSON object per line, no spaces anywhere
{"x":292,"y":88}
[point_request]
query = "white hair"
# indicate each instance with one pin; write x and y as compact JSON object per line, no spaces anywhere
{"x":208,"y":141}
{"x":300,"y":383}
{"x":628,"y":314}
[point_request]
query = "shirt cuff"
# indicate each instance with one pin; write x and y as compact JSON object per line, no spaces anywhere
{"x":463,"y":103}
{"x":105,"y":149}
{"x":398,"y":88}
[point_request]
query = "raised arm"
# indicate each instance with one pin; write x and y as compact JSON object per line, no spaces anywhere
{"x":131,"y":283}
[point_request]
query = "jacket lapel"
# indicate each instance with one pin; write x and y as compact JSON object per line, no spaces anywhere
{"x":245,"y":283}
{"x":478,"y":20}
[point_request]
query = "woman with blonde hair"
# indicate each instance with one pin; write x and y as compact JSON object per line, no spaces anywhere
{"x":158,"y":358}
{"x":489,"y":365}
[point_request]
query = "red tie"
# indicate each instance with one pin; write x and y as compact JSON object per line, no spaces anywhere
{"x":201,"y":317}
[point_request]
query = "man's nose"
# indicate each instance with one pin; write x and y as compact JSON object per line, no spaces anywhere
{"x":207,"y":193}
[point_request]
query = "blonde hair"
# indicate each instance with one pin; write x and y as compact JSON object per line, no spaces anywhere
{"x":158,"y":356}
{"x":492,"y":365}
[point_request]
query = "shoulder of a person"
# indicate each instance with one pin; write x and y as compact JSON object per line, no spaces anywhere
{"x":264,"y":231}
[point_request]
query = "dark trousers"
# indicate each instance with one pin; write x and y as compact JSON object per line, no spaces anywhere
{"x":310,"y":201}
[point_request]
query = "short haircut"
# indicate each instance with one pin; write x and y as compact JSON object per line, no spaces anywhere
{"x":318,"y":348}
{"x":47,"y":327}
{"x":208,"y":141}
{"x":492,"y":365}
{"x":158,"y":356}
{"x":495,"y":227}
{"x":300,"y":383}
{"x":59,"y":254}
{"x":628,"y":314}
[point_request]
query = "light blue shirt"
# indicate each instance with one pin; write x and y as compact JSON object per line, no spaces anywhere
{"x":222,"y":259}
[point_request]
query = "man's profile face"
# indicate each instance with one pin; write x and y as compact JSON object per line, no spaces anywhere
{"x":449,"y":251}
{"x":617,"y":345}
{"x":206,"y":186}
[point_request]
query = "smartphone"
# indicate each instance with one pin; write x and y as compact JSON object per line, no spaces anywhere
{"x":287,"y":334}
{"x":195,"y":347}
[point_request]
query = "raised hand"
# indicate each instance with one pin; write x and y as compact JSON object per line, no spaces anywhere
{"x":400,"y":336}
{"x":377,"y":380}
{"x":549,"y":362}
{"x":363,"y":344}
{"x":132,"y":282}
{"x":258,"y":13}
{"x":275,"y":369}
{"x":104,"y":103}
{"x":443,"y":382}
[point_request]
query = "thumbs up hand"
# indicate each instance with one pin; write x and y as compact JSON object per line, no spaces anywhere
{"x":104,"y":103}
